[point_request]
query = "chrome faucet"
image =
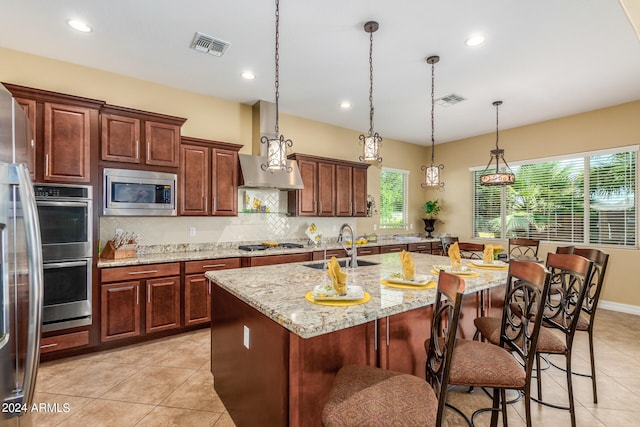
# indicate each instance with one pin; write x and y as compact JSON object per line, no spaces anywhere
{"x":351,"y":251}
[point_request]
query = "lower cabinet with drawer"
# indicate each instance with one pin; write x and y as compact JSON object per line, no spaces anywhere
{"x":433,"y":248}
{"x":197,"y":289}
{"x":124,"y":289}
{"x":64,"y":342}
{"x":392,"y":248}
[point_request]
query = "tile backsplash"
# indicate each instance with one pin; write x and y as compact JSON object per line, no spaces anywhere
{"x":251,"y":224}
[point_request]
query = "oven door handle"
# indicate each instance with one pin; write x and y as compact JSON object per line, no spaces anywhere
{"x":49,"y":265}
{"x":72,"y":204}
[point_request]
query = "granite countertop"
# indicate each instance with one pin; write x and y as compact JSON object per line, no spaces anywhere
{"x":176,"y":253}
{"x":278,"y":291}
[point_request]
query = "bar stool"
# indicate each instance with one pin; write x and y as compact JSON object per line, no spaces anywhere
{"x":369,"y":396}
{"x":471,"y":250}
{"x":509,"y":364}
{"x":446,"y":242}
{"x":523,"y":249}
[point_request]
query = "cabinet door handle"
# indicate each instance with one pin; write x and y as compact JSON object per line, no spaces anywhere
{"x":137,"y":149}
{"x":148,"y":293}
{"x":137,"y":295}
{"x":206,"y":200}
{"x":351,"y":208}
{"x":213,"y":265}
{"x":142,"y":272}
{"x":46,"y":165}
{"x":209,"y":287}
{"x":387,"y":331}
{"x":215,"y":203}
{"x":395,"y":250}
{"x":375,"y":334}
{"x":55,"y":344}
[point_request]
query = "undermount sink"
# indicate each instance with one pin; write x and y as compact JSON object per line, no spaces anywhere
{"x":342,"y":262}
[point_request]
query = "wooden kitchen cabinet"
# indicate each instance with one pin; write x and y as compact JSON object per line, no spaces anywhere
{"x":163,"y":304}
{"x":331,"y":187}
{"x":386,"y":249}
{"x":369,"y":250}
{"x":433,"y":248}
{"x":140,"y":137}
{"x":120,"y":310}
{"x":208,"y":178}
{"x":29,"y":107}
{"x":275,"y":259}
{"x":65,"y":131}
{"x":124,"y":289}
{"x":197,"y":289}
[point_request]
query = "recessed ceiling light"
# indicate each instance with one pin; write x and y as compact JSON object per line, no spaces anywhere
{"x":474,"y":40}
{"x":248,"y":75}
{"x":345,"y":105}
{"x":79,"y":25}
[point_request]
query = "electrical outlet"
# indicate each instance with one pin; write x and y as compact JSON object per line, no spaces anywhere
{"x":192,"y":231}
{"x":246,"y":336}
{"x":410,"y":226}
{"x":375,"y":227}
{"x":119,"y":231}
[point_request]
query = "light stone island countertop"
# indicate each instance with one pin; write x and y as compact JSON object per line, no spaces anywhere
{"x":176,"y":253}
{"x":278,"y":291}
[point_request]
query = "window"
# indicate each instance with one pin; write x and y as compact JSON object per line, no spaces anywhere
{"x":393,"y":196}
{"x":587,"y":198}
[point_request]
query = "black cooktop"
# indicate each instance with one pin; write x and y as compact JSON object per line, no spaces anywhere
{"x":264,"y":247}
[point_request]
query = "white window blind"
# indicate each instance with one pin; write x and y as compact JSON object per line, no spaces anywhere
{"x":588,"y":198}
{"x":393,"y":196}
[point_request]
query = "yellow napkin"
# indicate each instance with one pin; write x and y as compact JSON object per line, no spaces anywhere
{"x":487,"y":255}
{"x":408,"y":267}
{"x":454,"y":256}
{"x":338,"y":277}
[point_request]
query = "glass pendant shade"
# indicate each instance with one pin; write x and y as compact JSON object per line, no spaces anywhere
{"x":370,"y":148}
{"x":276,"y":153}
{"x":432,"y":176}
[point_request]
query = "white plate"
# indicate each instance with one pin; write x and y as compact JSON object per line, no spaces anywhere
{"x":418,"y":280}
{"x":327,"y":293}
{"x":447,"y":268}
{"x":496,"y":263}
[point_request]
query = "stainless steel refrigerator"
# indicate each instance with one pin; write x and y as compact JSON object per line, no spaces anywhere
{"x":21,"y":269}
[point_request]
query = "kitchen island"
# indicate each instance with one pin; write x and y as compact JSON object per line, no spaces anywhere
{"x":274,"y":354}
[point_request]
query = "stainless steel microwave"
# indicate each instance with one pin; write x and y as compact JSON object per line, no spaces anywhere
{"x":131,"y":192}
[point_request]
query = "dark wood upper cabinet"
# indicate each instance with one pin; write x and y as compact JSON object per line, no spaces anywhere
{"x":208,"y":178}
{"x":120,"y":138}
{"x":332,"y":187}
{"x":65,"y":131}
{"x":29,"y":107}
{"x":344,"y":190}
{"x":140,"y":137}
{"x":326,"y":189}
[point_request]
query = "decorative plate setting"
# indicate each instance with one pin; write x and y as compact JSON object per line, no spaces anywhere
{"x":327,"y":293}
{"x":463,"y":270}
{"x":418,"y":280}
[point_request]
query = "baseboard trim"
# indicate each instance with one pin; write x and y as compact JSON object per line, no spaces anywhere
{"x":622,"y":308}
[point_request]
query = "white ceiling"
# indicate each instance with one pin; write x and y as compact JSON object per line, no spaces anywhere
{"x":544,"y":58}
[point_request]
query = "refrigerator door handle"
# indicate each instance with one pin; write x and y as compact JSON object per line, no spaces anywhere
{"x":34,"y":256}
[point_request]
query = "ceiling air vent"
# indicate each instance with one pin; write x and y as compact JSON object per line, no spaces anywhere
{"x":449,"y":100}
{"x":204,"y":43}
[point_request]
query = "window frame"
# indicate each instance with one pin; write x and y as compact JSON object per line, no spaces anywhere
{"x":586,"y":200}
{"x":405,"y":216}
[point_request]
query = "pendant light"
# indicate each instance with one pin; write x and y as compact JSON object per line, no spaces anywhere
{"x":497,"y":178}
{"x":371,"y":141}
{"x":432,"y":178}
{"x":277,"y":146}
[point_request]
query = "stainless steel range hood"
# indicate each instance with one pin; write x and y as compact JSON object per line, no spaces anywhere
{"x":252,"y":174}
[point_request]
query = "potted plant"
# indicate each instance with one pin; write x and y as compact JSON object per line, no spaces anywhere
{"x":431,"y":211}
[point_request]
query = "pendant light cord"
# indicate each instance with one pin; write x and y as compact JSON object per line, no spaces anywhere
{"x":277,"y":84}
{"x":497,"y":104}
{"x":371,"y":83}
{"x":433,"y":103}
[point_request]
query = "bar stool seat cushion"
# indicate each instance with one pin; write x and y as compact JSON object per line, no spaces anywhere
{"x":369,"y":396}
{"x":481,"y":364}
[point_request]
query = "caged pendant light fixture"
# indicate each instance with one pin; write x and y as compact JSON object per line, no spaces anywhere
{"x":371,"y":141}
{"x":277,"y":146}
{"x":506,"y":177}
{"x":432,"y":175}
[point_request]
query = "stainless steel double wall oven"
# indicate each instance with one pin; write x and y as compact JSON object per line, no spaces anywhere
{"x":66,"y":213}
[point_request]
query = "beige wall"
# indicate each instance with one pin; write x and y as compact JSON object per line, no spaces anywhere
{"x":217,"y":119}
{"x":610,"y":127}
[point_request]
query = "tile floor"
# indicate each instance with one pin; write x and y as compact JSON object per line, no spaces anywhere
{"x":168,"y":383}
